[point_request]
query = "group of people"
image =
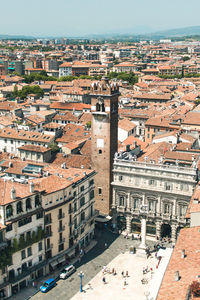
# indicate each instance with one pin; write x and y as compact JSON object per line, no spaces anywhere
{"x":113,"y":271}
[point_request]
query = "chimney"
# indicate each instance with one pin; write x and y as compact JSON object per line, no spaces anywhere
{"x":183,"y":253}
{"x":84,"y":173}
{"x":31,"y":187}
{"x":176,"y":276}
{"x":13,"y":193}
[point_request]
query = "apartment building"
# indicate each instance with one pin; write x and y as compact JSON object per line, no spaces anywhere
{"x":43,"y":224}
{"x":65,"y":69}
{"x":12,"y":139}
{"x":68,"y":203}
{"x":23,"y":253}
{"x":164,"y":189}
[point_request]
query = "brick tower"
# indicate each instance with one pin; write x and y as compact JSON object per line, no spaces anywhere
{"x":104,"y":107}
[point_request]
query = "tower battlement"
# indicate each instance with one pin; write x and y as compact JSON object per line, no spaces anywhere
{"x":104,"y":87}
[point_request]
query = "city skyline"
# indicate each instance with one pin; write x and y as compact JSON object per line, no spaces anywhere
{"x":82,"y":19}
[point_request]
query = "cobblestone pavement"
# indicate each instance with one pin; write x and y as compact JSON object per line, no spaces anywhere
{"x":91,"y":264}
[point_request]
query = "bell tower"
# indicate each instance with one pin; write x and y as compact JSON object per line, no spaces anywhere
{"x":104,"y":108}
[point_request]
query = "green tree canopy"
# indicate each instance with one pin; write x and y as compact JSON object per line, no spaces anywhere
{"x":131,"y":78}
{"x":28,"y":89}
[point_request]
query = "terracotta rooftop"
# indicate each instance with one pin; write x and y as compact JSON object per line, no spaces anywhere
{"x":188,"y":267}
{"x":33,"y":148}
{"x":25,"y":135}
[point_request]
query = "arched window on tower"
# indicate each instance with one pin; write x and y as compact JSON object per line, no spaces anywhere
{"x":102,"y":107}
{"x":97,"y":107}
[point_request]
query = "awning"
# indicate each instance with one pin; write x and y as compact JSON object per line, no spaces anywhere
{"x":61,"y":260}
{"x":54,"y":263}
{"x":103,"y":219}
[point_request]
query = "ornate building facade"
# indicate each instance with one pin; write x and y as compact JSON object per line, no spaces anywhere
{"x":166,"y":191}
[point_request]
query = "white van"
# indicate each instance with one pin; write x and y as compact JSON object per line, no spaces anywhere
{"x":66,"y":272}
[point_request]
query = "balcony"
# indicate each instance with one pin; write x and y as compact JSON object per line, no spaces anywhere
{"x":48,"y":233}
{"x":3,"y":244}
{"x":166,"y":217}
{"x":60,"y":241}
{"x":48,"y":221}
{"x":61,"y":216}
{"x":50,"y":246}
{"x":70,"y":211}
{"x":70,"y":223}
{"x":61,"y":228}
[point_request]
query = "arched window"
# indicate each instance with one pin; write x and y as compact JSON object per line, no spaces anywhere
{"x":102,"y":107}
{"x":97,"y":107}
{"x":19,"y":207}
{"x":9,"y":211}
{"x":136,"y":203}
{"x":37,"y":201}
{"x":121,"y":201}
{"x":28,"y":204}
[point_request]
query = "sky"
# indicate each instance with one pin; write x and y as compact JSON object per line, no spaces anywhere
{"x":84,"y":17}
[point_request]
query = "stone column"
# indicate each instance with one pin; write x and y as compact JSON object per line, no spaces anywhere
{"x":141,"y":251}
{"x":143,"y":233}
{"x":113,"y":198}
{"x":143,"y":199}
{"x":128,"y":224}
{"x":174,"y":208}
{"x":159,"y":206}
{"x":128,"y":205}
{"x":158,"y":228}
{"x":173,"y":233}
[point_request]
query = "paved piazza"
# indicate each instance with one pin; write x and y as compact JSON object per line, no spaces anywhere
{"x":114,"y":287}
{"x":115,"y":256}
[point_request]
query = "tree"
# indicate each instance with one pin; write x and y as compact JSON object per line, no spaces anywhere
{"x":67,"y":78}
{"x":29,"y":89}
{"x":15,"y":91}
{"x":185,"y":58}
{"x":88,"y":124}
{"x":54,"y":147}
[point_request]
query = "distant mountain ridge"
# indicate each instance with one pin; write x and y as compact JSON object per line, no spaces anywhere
{"x":192,"y":30}
{"x":176,"y":32}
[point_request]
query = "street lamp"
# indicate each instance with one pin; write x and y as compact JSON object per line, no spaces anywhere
{"x":147,"y":293}
{"x":81,"y":275}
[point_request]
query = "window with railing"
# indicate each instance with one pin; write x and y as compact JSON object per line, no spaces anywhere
{"x":28,"y":204}
{"x":19,"y":207}
{"x":9,"y":211}
{"x":37,"y":201}
{"x":92,"y":195}
{"x":82,"y":201}
{"x":82,"y":216}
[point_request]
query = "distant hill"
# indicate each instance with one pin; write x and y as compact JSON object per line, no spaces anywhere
{"x":15,"y":37}
{"x":193,"y":30}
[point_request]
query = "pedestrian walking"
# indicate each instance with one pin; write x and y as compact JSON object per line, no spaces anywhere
{"x":122,"y":273}
{"x":132,"y":237}
{"x":125,"y":281}
{"x":126,"y":273}
{"x":104,"y":280}
{"x":106,"y":245}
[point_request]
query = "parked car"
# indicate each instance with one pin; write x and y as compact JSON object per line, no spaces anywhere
{"x":67,"y":271}
{"x":47,"y":285}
